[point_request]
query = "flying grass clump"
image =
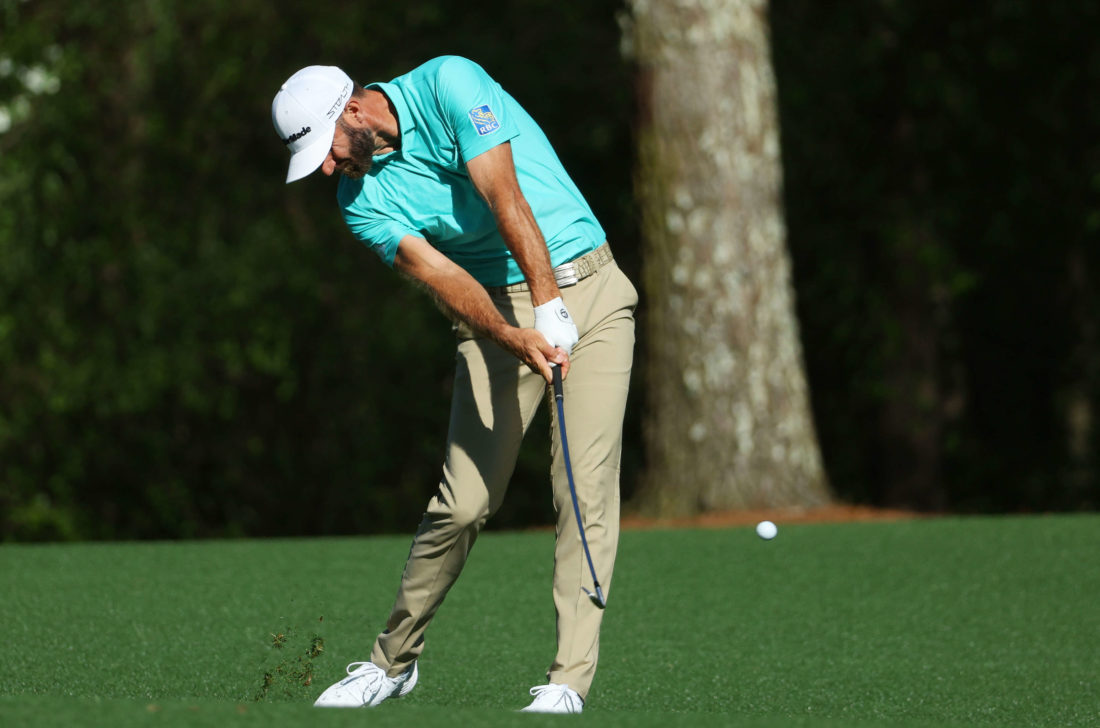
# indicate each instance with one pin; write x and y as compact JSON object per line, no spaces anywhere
{"x":288,"y":671}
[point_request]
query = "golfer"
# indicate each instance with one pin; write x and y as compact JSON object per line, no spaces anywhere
{"x":451,"y":183}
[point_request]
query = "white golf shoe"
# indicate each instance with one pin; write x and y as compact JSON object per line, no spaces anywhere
{"x":366,"y":686}
{"x":554,"y":698}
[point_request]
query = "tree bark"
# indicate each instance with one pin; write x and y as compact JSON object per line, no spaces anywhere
{"x":728,"y":422}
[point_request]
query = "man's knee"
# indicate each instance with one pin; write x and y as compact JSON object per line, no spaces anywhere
{"x":459,"y":515}
{"x":470,"y":514}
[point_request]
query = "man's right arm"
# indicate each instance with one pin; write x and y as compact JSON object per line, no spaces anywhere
{"x":468,"y":300}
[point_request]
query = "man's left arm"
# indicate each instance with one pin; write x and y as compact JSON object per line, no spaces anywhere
{"x":493,"y":174}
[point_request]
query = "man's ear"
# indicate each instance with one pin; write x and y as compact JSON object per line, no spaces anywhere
{"x":353,"y":110}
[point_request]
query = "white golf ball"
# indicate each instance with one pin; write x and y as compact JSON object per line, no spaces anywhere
{"x":766,"y":530}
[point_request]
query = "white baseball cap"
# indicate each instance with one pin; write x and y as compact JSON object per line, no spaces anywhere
{"x":305,"y":112}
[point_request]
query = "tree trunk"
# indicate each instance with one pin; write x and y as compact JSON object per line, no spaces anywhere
{"x":728,"y":422}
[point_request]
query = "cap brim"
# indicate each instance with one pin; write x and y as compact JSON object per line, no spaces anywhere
{"x":304,"y":161}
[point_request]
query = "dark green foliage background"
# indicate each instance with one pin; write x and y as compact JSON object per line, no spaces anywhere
{"x":189,"y":348}
{"x":943,"y":201}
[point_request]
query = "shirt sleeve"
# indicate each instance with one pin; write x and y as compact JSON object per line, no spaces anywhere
{"x":378,"y":232}
{"x":475,"y":107}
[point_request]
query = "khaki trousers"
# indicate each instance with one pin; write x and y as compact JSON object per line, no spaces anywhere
{"x":495,"y":398}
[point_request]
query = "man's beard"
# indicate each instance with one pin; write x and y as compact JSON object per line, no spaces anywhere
{"x":361,"y":145}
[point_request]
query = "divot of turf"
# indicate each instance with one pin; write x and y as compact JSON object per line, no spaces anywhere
{"x":288,"y":672}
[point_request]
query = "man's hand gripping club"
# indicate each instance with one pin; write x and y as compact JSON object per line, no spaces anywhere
{"x":553,"y":321}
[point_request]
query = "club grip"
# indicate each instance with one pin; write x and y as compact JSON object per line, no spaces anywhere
{"x":555,"y":372}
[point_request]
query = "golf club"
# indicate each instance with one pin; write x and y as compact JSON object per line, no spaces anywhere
{"x":596,"y":598}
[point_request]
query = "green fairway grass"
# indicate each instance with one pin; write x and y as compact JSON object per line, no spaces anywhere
{"x":939,"y":622}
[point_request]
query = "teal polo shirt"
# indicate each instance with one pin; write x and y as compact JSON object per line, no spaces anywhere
{"x":449,"y":111}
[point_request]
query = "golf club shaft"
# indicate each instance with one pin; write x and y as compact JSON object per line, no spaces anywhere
{"x":597,"y":598}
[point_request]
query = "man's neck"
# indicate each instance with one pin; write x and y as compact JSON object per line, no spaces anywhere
{"x":383,"y":119}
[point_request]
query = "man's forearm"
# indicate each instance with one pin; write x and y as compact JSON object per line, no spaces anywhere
{"x":467,"y":300}
{"x":463,"y":298}
{"x":494,"y":175}
{"x":523,"y":237}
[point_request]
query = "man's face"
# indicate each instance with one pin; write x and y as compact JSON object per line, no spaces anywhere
{"x":352,"y":151}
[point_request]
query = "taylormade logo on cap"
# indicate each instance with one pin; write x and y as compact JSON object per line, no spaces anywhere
{"x":304,"y":113}
{"x":295,"y":137}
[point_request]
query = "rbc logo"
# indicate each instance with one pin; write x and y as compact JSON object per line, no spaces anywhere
{"x":484,"y":121}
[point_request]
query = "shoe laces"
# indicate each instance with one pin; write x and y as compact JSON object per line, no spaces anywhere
{"x":553,"y":694}
{"x":355,"y":669}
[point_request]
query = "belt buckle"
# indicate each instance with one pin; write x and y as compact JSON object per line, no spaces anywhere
{"x":565,"y":275}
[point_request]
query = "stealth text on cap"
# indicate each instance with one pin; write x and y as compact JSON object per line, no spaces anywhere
{"x":295,"y":137}
{"x":338,"y":104}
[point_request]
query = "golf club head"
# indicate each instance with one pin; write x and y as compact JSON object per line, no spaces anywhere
{"x":596,"y":598}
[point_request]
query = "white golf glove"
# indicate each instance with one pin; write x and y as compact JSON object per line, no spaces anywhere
{"x":553,"y":321}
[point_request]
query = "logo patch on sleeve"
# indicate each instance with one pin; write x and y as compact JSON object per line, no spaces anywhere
{"x":484,"y":121}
